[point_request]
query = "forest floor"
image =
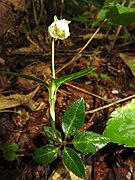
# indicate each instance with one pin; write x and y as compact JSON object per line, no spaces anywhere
{"x":24,"y":106}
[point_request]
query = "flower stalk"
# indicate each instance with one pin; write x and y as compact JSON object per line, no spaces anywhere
{"x":52,"y":100}
{"x":53,"y":67}
{"x":58,"y":30}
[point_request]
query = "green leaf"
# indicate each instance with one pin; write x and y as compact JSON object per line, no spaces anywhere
{"x":9,"y":155}
{"x":45,"y":154}
{"x":83,"y":18}
{"x":35,"y":79}
{"x":9,"y":151}
{"x":100,"y":3}
{"x":105,"y":76}
{"x":89,"y":142}
{"x":50,"y":134}
{"x":100,"y":17}
{"x":74,"y":117}
{"x":72,"y":76}
{"x":132,"y":86}
{"x":9,"y":147}
{"x":121,"y":126}
{"x":117,"y":13}
{"x":73,"y":162}
{"x":121,"y":15}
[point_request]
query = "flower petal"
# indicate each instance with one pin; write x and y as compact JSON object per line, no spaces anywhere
{"x":59,"y":29}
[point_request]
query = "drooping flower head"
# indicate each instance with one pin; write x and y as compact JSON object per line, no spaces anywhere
{"x":59,"y":29}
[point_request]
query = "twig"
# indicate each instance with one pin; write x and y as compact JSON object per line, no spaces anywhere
{"x":88,"y":124}
{"x":111,"y":104}
{"x":85,"y":91}
{"x":78,"y":54}
{"x":34,"y":43}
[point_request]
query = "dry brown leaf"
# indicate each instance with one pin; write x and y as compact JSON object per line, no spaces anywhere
{"x":2,"y":61}
{"x":3,"y":82}
{"x":31,"y":49}
{"x":21,"y":118}
{"x":78,"y":93}
{"x":98,"y":36}
{"x":10,"y":14}
{"x":7,"y":20}
{"x":19,"y":99}
{"x":129,"y":60}
{"x":63,"y":173}
{"x":19,"y":5}
{"x":37,"y":69}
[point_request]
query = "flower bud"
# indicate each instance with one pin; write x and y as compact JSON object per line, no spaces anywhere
{"x":59,"y":29}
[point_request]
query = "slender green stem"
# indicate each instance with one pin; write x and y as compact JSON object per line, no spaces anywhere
{"x":41,"y":11}
{"x":52,"y":114}
{"x":52,"y":93}
{"x":53,"y":68}
{"x":35,"y":12}
{"x":52,"y":100}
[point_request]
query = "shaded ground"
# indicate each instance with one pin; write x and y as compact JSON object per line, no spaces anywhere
{"x":23,"y":123}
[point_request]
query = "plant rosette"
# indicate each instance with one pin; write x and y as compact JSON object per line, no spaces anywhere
{"x":59,"y":29}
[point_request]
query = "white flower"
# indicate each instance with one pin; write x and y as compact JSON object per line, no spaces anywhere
{"x":59,"y":29}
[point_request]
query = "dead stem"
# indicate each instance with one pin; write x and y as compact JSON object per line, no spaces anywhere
{"x":86,"y":92}
{"x":88,"y":124}
{"x":34,"y":43}
{"x":81,"y":50}
{"x":111,"y":104}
